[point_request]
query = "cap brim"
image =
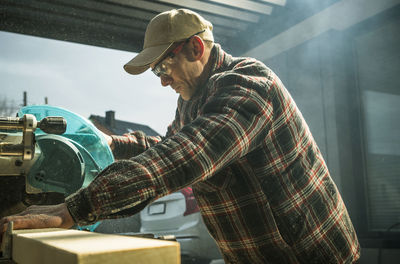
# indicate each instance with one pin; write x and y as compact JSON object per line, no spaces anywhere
{"x":142,"y":61}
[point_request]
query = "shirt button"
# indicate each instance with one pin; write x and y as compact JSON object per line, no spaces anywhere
{"x":91,"y":217}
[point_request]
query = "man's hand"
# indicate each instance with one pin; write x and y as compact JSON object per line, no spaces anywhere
{"x":109,"y":140}
{"x":39,"y":217}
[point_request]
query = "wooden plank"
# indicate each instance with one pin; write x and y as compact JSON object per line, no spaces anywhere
{"x":53,"y":245}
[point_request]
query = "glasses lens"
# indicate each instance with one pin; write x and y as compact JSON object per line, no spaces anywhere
{"x":160,"y":69}
{"x":156,"y":70}
{"x":163,"y":68}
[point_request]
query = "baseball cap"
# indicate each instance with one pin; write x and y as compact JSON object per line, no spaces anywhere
{"x":163,"y":31}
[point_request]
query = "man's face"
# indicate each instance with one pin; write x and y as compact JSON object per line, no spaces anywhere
{"x":179,"y":73}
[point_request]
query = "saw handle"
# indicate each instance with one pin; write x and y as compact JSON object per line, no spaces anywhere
{"x":53,"y":125}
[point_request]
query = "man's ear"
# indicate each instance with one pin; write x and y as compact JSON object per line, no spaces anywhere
{"x":197,"y":47}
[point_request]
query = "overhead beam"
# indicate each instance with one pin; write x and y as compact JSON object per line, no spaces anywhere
{"x":215,"y":9}
{"x":84,"y":10}
{"x":225,"y":22}
{"x":117,"y":24}
{"x":109,"y":14}
{"x":36,"y":22}
{"x":247,"y":5}
{"x":145,"y":5}
{"x":339,"y":16}
{"x":108,"y":8}
{"x":191,"y":4}
{"x":215,"y":18}
{"x":275,"y":2}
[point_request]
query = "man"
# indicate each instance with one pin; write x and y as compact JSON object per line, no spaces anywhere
{"x":238,"y":139}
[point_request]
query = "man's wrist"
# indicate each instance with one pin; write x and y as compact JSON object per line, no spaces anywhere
{"x":68,"y":221}
{"x":79,"y":208}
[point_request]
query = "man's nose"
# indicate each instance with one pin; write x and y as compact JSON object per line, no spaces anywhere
{"x":166,"y":80}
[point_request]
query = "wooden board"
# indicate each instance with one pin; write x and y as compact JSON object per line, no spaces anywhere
{"x":49,"y":246}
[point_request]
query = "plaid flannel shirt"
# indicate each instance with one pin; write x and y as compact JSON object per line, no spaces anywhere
{"x":262,"y":185}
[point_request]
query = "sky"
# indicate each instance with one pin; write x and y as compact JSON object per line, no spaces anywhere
{"x":83,"y":79}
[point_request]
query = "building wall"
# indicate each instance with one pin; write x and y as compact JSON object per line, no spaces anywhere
{"x":327,"y":77}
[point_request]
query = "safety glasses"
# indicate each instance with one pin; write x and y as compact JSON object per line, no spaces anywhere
{"x":163,"y":66}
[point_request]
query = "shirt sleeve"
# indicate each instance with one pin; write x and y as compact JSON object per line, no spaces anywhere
{"x":234,"y":120}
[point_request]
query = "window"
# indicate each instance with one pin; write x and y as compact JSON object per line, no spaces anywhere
{"x":378,"y":60}
{"x":382,"y":156}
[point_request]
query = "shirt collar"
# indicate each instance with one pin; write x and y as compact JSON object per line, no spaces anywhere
{"x":218,"y":57}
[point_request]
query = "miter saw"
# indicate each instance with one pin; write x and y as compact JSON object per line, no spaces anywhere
{"x":47,"y":153}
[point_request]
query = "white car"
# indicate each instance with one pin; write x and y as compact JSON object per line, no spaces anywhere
{"x":177,"y":214}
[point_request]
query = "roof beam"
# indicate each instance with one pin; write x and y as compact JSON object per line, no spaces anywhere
{"x":215,"y":9}
{"x":66,"y":28}
{"x":248,"y":5}
{"x":107,"y":8}
{"x":146,"y":5}
{"x":157,"y":8}
{"x":275,"y":2}
{"x":339,"y":16}
{"x":224,"y":22}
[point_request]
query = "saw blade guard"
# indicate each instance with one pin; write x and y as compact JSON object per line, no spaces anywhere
{"x":69,"y":161}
